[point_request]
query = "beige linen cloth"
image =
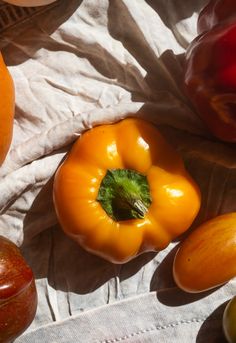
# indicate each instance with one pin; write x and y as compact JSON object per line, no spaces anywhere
{"x":77,"y":64}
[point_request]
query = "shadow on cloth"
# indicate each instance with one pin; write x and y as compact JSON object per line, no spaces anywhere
{"x":213,"y":324}
{"x":40,"y":27}
{"x":159,"y":70}
{"x":169,"y":294}
{"x":177,"y":11}
{"x":166,"y":290}
{"x":160,"y":86}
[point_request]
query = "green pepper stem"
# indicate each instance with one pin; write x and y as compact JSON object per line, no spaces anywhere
{"x":124,"y":194}
{"x":140,"y":207}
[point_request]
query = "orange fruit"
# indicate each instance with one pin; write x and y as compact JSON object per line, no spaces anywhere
{"x":7,"y":107}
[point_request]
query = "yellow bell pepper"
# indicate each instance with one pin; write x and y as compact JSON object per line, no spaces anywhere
{"x":123,"y":190}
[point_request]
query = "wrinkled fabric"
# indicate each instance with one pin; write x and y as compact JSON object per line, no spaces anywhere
{"x":77,"y":64}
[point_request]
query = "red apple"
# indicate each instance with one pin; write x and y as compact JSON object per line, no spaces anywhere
{"x":18,"y":295}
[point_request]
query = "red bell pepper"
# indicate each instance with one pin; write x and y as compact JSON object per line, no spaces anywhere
{"x":216,"y":12}
{"x":210,"y":77}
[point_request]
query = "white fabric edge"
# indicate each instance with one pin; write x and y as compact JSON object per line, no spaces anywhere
{"x":128,"y":320}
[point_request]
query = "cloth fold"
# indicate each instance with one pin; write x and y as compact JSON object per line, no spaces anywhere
{"x":138,"y":320}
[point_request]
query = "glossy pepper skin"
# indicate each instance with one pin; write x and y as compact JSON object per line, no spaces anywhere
{"x":7,"y":107}
{"x":133,"y":145}
{"x":18,"y":295}
{"x":215,"y":13}
{"x":210,"y":79}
